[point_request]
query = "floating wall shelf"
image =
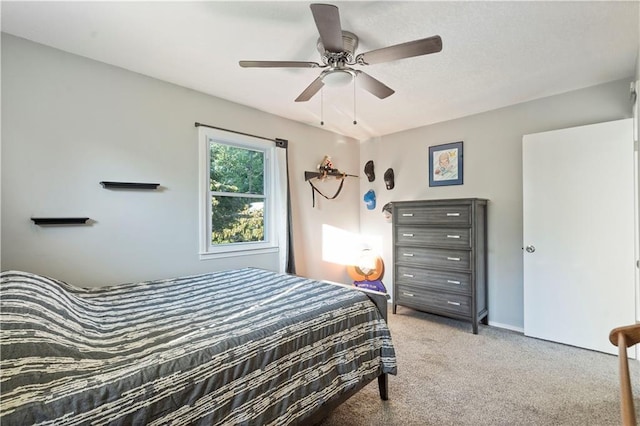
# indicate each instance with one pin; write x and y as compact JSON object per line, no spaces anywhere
{"x":60,"y":220}
{"x":129,"y":185}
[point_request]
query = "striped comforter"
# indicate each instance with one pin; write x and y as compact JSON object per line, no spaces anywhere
{"x":246,"y":346}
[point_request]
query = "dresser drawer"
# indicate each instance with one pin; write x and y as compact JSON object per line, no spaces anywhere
{"x":446,"y":237}
{"x":456,"y":214}
{"x":435,"y":258}
{"x":436,"y":301}
{"x":434,"y":279}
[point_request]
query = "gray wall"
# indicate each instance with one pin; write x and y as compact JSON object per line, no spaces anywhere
{"x":492,"y":170}
{"x":69,"y":122}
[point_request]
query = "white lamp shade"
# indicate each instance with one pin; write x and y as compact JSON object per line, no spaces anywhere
{"x":337,"y":78}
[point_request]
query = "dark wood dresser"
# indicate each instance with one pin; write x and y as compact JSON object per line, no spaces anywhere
{"x":440,"y":257}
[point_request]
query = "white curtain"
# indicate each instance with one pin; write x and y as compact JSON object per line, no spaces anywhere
{"x":282,"y":202}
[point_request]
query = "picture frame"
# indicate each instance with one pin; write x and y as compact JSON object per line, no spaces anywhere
{"x":446,"y":164}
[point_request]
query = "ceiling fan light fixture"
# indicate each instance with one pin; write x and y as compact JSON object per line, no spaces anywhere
{"x":337,"y":50}
{"x":337,"y":78}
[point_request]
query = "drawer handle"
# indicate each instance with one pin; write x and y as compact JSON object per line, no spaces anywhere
{"x":453,"y":303}
{"x":407,"y":294}
{"x":453,"y":282}
{"x":407,"y":214}
{"x":407,"y":235}
{"x":453,"y":214}
{"x":408,"y":275}
{"x":456,"y":259}
{"x":408,"y":254}
{"x":453,"y":236}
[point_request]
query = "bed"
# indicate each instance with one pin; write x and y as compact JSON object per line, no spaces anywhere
{"x":238,"y":347}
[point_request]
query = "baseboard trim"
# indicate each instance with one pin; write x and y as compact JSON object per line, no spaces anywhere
{"x":506,"y":326}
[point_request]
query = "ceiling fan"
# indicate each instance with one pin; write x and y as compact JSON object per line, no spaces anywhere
{"x":337,"y":50}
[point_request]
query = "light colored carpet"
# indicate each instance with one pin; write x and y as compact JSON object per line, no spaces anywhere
{"x":448,"y":376}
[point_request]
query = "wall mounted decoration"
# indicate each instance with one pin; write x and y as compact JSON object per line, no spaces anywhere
{"x":370,"y":199}
{"x":445,"y":164}
{"x":387,"y":212}
{"x":325,"y":169}
{"x":369,"y":171}
{"x":389,"y":178}
{"x":60,"y":220}
{"x":129,"y":185}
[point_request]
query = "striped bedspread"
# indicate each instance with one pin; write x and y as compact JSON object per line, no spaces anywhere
{"x":241,"y":347}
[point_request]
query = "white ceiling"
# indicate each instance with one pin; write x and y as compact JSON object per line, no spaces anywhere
{"x":494,"y":53}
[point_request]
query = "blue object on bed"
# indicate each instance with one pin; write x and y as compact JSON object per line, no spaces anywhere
{"x":245,"y":346}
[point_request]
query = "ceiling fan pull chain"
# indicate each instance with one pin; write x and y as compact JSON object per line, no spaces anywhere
{"x":322,"y":106}
{"x":354,"y":101}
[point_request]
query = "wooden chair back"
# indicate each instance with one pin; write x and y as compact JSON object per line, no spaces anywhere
{"x":625,"y":337}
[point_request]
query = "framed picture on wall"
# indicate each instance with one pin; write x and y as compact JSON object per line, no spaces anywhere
{"x":445,"y":164}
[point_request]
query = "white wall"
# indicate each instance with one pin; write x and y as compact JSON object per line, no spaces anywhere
{"x":492,"y":170}
{"x":70,"y":122}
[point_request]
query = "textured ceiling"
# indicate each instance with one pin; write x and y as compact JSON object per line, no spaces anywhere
{"x":494,"y":53}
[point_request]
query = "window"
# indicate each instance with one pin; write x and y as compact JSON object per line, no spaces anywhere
{"x":236,"y":194}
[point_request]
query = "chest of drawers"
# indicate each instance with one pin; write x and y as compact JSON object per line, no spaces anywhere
{"x":440,"y":257}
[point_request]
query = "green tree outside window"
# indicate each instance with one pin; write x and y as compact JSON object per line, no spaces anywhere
{"x":236,"y":179}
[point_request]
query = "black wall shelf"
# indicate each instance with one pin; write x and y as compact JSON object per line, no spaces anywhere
{"x":60,"y":220}
{"x":129,"y":185}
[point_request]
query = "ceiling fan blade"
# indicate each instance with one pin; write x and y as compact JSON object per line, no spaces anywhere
{"x":399,"y":51}
{"x":278,"y":64}
{"x":311,"y":90}
{"x":375,"y":87}
{"x":327,"y":20}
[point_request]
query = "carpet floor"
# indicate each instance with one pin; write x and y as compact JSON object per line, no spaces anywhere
{"x":448,"y":376}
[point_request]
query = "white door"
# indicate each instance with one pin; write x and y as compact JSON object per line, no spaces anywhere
{"x":578,"y":206}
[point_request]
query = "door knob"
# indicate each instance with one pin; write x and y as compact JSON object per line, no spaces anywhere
{"x":530,"y":249}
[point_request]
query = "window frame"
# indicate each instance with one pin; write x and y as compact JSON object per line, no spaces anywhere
{"x":208,"y":250}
